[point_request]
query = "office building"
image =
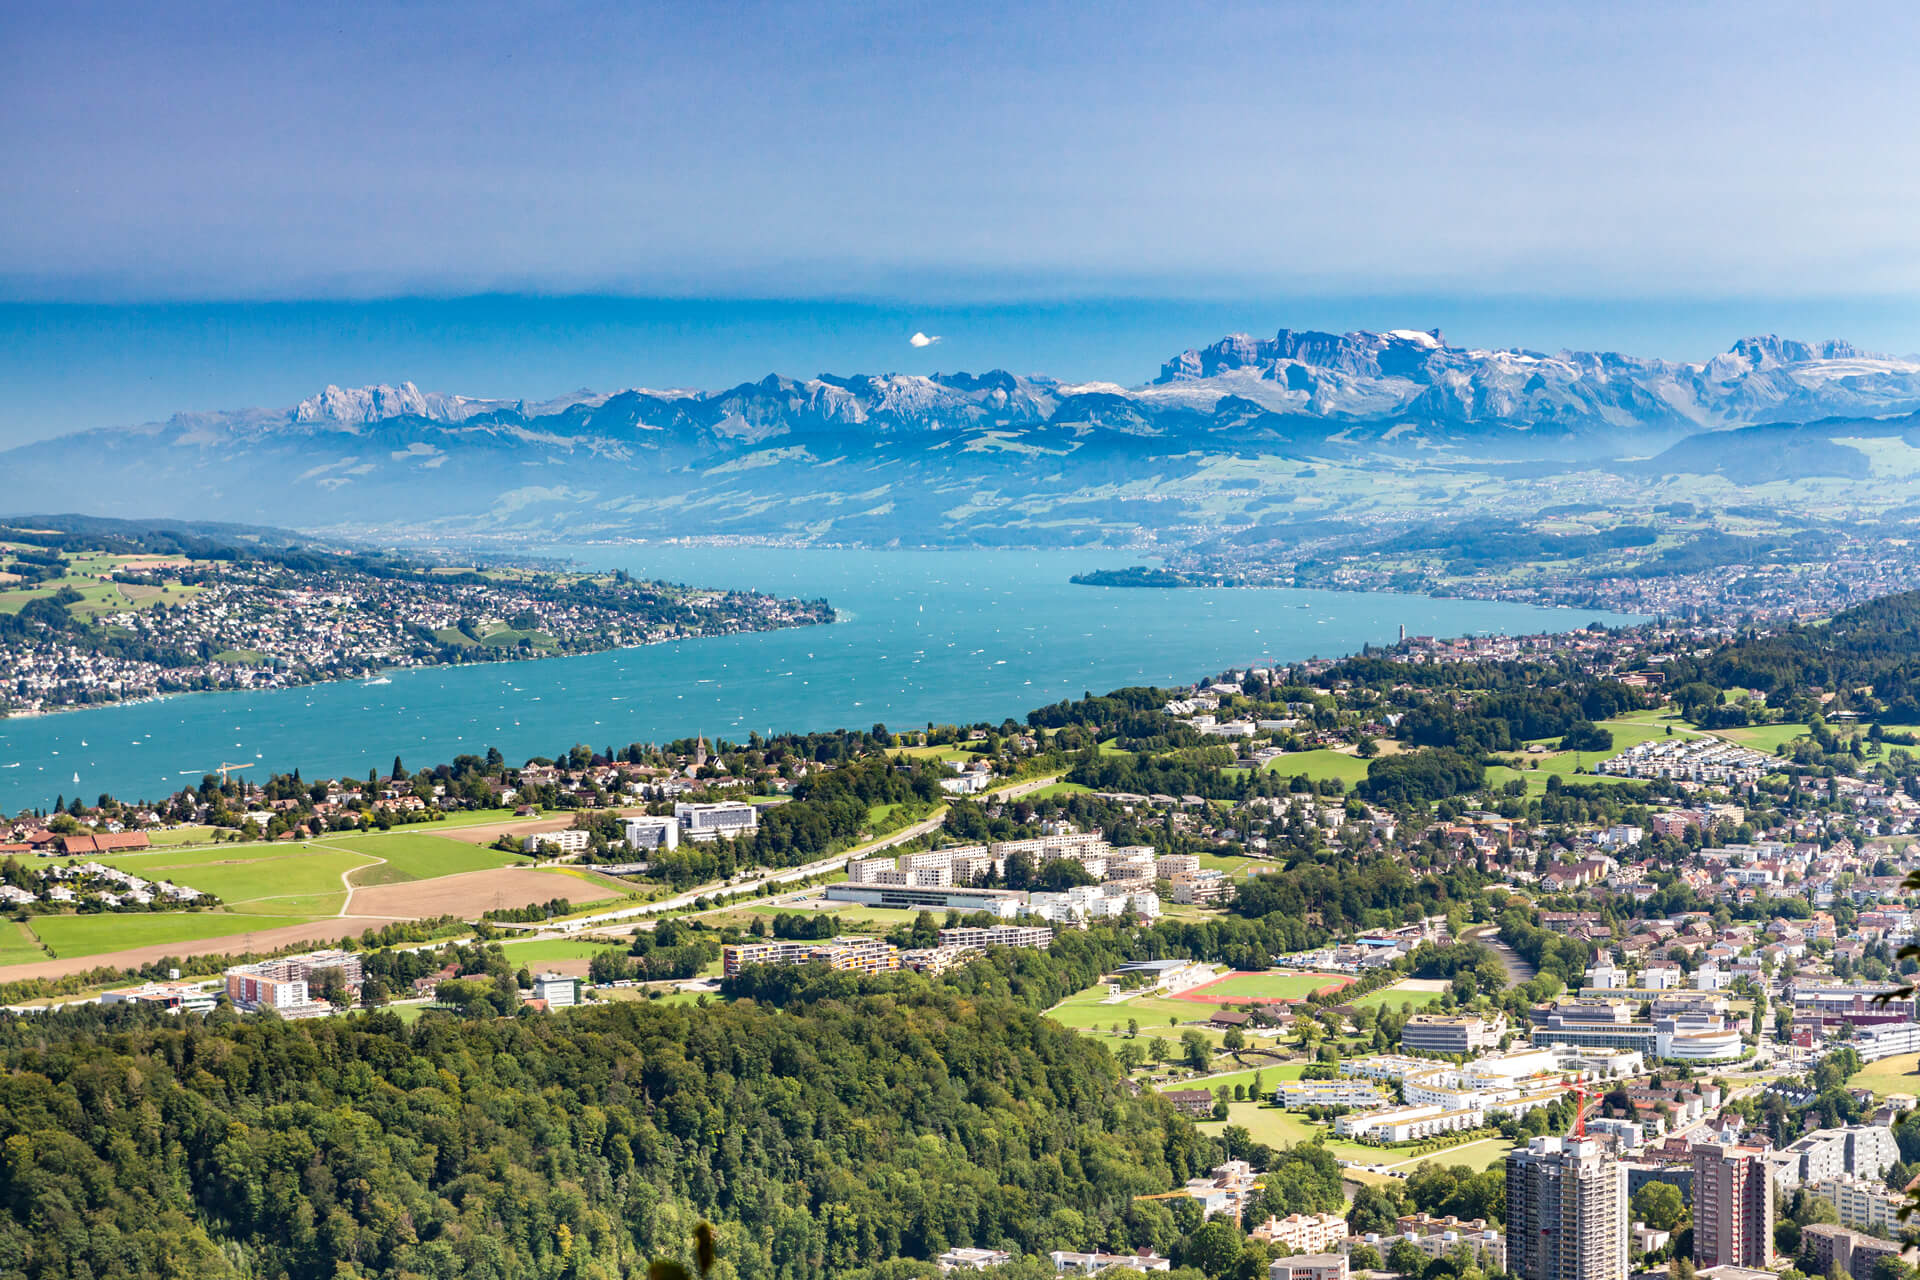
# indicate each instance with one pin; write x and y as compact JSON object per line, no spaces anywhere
{"x":1438,"y":1033}
{"x":703,"y":822}
{"x":1566,"y":1211}
{"x":1732,"y":1207}
{"x":1004,"y":903}
{"x":174,"y":997}
{"x":557,"y":990}
{"x":653,"y":832}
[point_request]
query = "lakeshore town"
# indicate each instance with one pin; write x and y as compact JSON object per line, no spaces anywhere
{"x":1574,"y":909}
{"x":102,"y":629}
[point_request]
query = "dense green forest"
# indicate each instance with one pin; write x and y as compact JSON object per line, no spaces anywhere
{"x":894,"y":1125}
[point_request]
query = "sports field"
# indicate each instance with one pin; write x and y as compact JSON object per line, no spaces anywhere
{"x":1274,"y":984}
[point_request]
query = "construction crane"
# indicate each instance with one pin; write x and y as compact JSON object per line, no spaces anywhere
{"x":1580,"y":1096}
{"x":226,"y":769}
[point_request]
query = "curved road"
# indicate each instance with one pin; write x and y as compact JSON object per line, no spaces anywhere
{"x":926,"y":826}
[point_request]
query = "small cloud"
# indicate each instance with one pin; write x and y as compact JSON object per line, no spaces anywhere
{"x":922,"y":340}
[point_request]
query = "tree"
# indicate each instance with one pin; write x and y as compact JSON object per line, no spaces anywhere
{"x":1660,"y":1206}
{"x":1197,"y":1051}
{"x":1406,"y":1259}
{"x":1212,"y":1248}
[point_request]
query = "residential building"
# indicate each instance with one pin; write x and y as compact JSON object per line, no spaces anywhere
{"x":1866,"y":1151}
{"x":1732,"y":1207}
{"x":1038,"y":937}
{"x":1862,"y":1203}
{"x":968,"y":1258}
{"x":1408,"y":1124}
{"x":1327,"y":1093}
{"x":862,"y":955}
{"x":1302,"y":1232}
{"x":560,"y":841}
{"x":1309,"y":1266}
{"x":1566,"y":1211}
{"x":1853,"y":1252}
{"x":1068,"y":1263}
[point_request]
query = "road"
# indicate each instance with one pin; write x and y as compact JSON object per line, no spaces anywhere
{"x":925,"y":826}
{"x":1518,"y":970}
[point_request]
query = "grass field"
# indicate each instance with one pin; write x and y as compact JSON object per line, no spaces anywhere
{"x":181,"y":835}
{"x":1060,"y":789}
{"x":92,"y":935}
{"x":1275,"y":984}
{"x":412,"y":855}
{"x":17,"y":945}
{"x":265,"y":877}
{"x":1898,"y":1074}
{"x":1278,"y":1128}
{"x":1319,"y":766}
{"x":1764,"y":737}
{"x":1395,"y":996}
{"x":548,"y":950}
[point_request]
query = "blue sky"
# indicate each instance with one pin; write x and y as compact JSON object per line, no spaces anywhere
{"x":224,"y":204}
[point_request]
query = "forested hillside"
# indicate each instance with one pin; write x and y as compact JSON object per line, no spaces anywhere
{"x":895,"y":1125}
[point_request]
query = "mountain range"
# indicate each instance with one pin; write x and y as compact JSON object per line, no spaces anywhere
{"x":1223,"y":434}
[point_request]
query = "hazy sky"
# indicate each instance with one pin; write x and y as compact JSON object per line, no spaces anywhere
{"x":1662,"y":161}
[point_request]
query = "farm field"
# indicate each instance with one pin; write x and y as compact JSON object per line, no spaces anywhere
{"x":17,"y":945}
{"x":1275,"y":984}
{"x":1319,"y":766}
{"x":411,"y":855}
{"x":254,"y":877}
{"x":1898,"y":1074}
{"x":467,"y":894}
{"x":94,"y":935}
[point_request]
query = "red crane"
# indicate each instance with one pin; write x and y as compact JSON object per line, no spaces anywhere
{"x":1580,"y":1096}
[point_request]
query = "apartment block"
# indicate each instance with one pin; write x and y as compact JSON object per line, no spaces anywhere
{"x":1566,"y":1212}
{"x":861,"y":955}
{"x":1732,"y":1207}
{"x":1038,"y":937}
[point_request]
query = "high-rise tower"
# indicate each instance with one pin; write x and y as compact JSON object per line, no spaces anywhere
{"x":1732,"y":1208}
{"x":1566,"y":1212}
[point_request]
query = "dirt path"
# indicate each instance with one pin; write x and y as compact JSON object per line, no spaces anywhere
{"x":346,"y":877}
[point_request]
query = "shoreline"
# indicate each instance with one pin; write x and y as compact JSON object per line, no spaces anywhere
{"x":374,"y":674}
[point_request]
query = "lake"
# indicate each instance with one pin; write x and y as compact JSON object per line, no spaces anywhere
{"x":943,"y":636}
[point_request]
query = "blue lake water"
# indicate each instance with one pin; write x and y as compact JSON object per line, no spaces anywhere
{"x":944,"y":636}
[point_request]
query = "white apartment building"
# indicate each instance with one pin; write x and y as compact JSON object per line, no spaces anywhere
{"x":651,"y":831}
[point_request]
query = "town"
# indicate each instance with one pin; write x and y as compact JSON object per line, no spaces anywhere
{"x":1578,"y":922}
